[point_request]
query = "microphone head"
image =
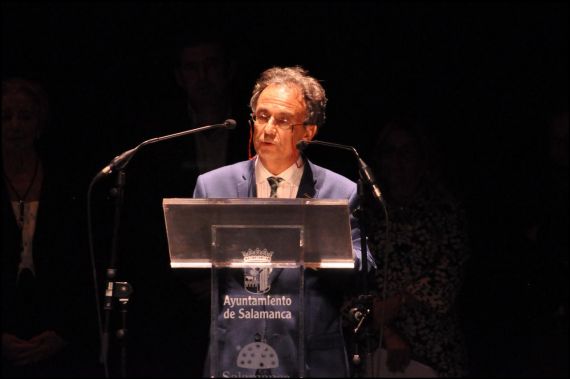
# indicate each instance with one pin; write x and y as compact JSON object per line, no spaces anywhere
{"x":302,"y":144}
{"x":230,"y":123}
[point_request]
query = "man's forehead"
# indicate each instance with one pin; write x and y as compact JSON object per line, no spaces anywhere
{"x":282,"y":94}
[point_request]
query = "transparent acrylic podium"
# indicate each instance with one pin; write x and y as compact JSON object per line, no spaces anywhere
{"x":258,"y":250}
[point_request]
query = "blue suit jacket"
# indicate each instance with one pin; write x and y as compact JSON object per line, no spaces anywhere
{"x":325,"y":353}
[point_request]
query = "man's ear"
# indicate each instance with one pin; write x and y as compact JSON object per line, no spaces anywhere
{"x":310,"y":132}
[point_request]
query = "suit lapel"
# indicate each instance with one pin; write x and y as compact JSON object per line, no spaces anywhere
{"x":307,"y":187}
{"x":246,"y":187}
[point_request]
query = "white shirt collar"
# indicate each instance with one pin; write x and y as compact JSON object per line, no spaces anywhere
{"x":291,"y":178}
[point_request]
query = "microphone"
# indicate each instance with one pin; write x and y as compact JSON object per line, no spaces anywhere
{"x":356,"y":313}
{"x":302,"y":145}
{"x":365,"y":170}
{"x":121,"y":161}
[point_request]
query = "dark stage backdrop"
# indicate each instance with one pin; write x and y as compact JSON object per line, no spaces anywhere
{"x":482,"y":77}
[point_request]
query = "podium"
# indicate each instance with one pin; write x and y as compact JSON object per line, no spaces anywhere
{"x":258,"y":251}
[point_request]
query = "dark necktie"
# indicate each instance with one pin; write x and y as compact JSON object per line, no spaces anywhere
{"x":274,"y":183}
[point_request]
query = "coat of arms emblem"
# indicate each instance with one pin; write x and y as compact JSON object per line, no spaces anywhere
{"x":256,"y":278}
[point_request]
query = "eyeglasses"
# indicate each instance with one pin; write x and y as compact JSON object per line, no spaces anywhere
{"x":261,"y":119}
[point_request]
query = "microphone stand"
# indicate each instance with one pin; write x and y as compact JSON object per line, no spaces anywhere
{"x":122,"y":290}
{"x":361,"y":311}
{"x":364,"y":338}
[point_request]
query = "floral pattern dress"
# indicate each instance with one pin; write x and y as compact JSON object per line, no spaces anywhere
{"x":424,"y":257}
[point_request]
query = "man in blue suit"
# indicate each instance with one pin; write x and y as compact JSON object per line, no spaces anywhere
{"x":287,"y":105}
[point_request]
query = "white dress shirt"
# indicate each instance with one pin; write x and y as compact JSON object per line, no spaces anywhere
{"x":288,"y":188}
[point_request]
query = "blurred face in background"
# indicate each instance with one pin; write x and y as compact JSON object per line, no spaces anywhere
{"x":21,"y":120}
{"x":400,"y":163}
{"x":204,"y":74}
{"x":558,"y":141}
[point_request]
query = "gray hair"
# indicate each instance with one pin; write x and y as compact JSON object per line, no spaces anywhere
{"x":312,"y":91}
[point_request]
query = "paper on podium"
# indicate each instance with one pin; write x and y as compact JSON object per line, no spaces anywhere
{"x":414,"y":370}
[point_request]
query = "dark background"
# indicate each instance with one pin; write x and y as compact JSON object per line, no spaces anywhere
{"x":480,"y":75}
{"x":483,"y":77}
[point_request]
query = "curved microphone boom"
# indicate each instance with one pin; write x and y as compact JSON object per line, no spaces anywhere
{"x":120,"y":161}
{"x":365,"y":170}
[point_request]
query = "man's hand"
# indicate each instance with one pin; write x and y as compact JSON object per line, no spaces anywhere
{"x":38,"y":348}
{"x":386,"y":310}
{"x":398,"y":350}
{"x":13,"y":347}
